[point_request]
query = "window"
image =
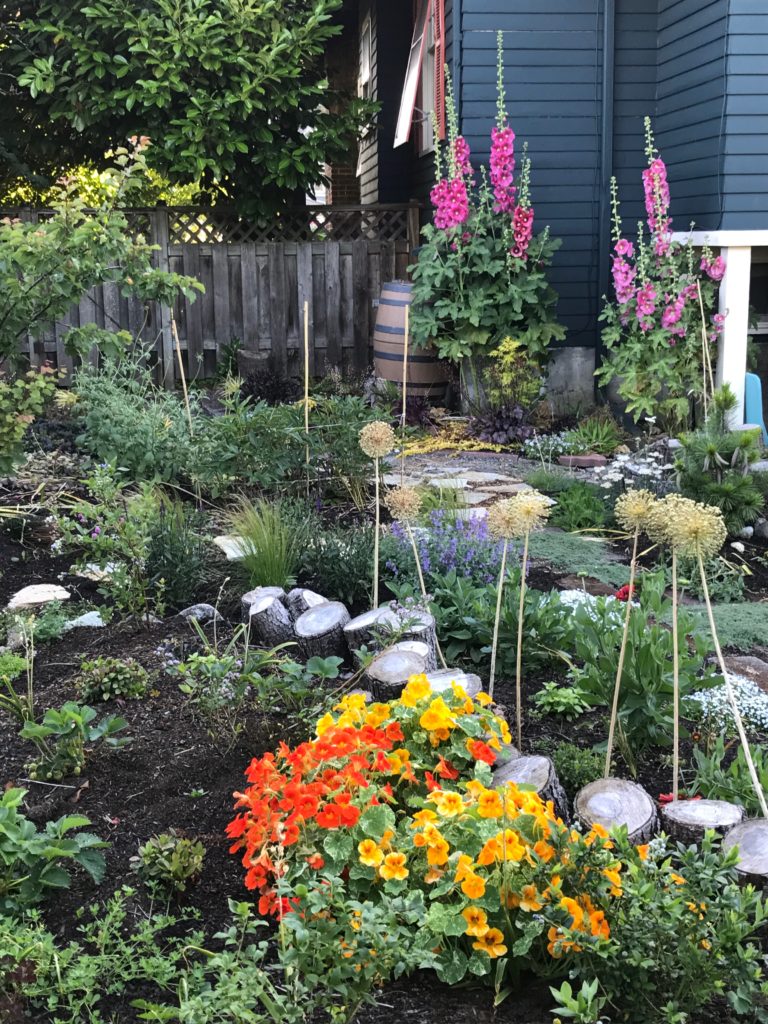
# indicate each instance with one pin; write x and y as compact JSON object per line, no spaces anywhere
{"x":364,"y":82}
{"x":424,"y":86}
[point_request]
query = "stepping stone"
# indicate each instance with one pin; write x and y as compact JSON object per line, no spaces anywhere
{"x":97,"y":573}
{"x":37,"y":594}
{"x":510,"y":488}
{"x":476,"y":497}
{"x":231,"y":546}
{"x":582,"y":461}
{"x":474,"y":476}
{"x":451,"y":483}
{"x":752,"y":668}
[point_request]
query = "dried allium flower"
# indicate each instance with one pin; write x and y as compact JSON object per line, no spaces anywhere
{"x":694,"y":529}
{"x":662,"y":514}
{"x":377,"y":439}
{"x":634,"y":509}
{"x":516,"y":516}
{"x":404,"y":503}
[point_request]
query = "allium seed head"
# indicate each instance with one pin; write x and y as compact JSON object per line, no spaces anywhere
{"x":404,"y":503}
{"x":377,"y":439}
{"x":519,"y":515}
{"x":634,"y":508}
{"x":694,"y":529}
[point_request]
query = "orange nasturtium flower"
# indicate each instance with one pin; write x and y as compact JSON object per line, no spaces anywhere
{"x":464,"y":867}
{"x":449,"y":805}
{"x":438,"y":853}
{"x":473,"y":887}
{"x":492,"y":943}
{"x":481,"y":751}
{"x":477,"y":921}
{"x":394,"y":867}
{"x":370,"y":854}
{"x":573,"y":908}
{"x":530,"y":900}
{"x":642,"y":851}
{"x":433,"y":875}
{"x":489,"y":804}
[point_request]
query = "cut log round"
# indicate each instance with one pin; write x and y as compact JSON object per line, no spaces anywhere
{"x":300,"y":600}
{"x":390,"y":671}
{"x":444,"y":679}
{"x":537,"y":772}
{"x":270,"y":622}
{"x":360,"y":631}
{"x":422,"y":649}
{"x":687,"y":820}
{"x":254,"y":595}
{"x":751,"y":837}
{"x":421,"y":626}
{"x":614,"y":802}
{"x":321,"y":630}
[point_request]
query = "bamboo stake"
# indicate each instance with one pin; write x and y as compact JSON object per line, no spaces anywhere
{"x":495,"y":642}
{"x":405,"y":390}
{"x":675,"y":684}
{"x":705,"y":345}
{"x":731,"y":695}
{"x":306,"y":385}
{"x":182,"y":375}
{"x":519,"y":652}
{"x":422,"y":585}
{"x":376,"y":538}
{"x":622,"y":654}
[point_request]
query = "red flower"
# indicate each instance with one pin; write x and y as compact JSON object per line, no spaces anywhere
{"x":481,"y":752}
{"x":446,"y":770}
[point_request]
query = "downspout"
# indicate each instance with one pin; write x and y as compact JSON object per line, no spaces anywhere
{"x":606,"y":164}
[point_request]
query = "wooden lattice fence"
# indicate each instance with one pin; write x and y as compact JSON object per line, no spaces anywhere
{"x":257,"y":277}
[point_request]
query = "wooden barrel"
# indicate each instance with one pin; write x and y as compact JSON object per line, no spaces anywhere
{"x":427,"y":375}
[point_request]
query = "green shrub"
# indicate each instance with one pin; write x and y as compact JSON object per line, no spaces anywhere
{"x":107,"y":678}
{"x":563,"y":701}
{"x":169,"y":863}
{"x":21,"y":400}
{"x":337,"y":563}
{"x":178,"y":564}
{"x":716,"y":780}
{"x":725,"y":581}
{"x":576,"y":766}
{"x":580,"y":507}
{"x":31,"y":862}
{"x":598,"y":434}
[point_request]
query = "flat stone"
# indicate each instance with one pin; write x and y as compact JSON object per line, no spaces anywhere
{"x":395,"y":480}
{"x":510,"y":488}
{"x":746,"y":533}
{"x":586,"y":583}
{"x":476,"y":497}
{"x":231,"y":546}
{"x":674,"y":444}
{"x":474,"y":476}
{"x":761,"y":466}
{"x":88,"y":620}
{"x":38,"y":593}
{"x":97,"y":573}
{"x":752,"y":668}
{"x":448,"y":483}
{"x":582,"y":461}
{"x":200,"y":613}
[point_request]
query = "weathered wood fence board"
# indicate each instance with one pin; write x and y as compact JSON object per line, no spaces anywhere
{"x":257,"y":279}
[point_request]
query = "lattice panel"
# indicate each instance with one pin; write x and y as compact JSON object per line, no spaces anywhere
{"x":308,"y":224}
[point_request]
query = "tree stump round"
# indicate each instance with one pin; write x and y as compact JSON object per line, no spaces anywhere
{"x":445,"y":678}
{"x":254,"y":595}
{"x":538,"y":773}
{"x":300,"y":600}
{"x":615,"y":802}
{"x":320,"y":630}
{"x":420,"y":626}
{"x":686,"y":821}
{"x":390,"y":671}
{"x":270,"y":622}
{"x":422,"y":649}
{"x":361,"y":631}
{"x":751,"y":837}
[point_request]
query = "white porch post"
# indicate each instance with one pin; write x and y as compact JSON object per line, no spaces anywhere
{"x":734,"y":305}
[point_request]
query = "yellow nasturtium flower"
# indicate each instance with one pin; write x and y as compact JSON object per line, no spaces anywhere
{"x":370,"y":854}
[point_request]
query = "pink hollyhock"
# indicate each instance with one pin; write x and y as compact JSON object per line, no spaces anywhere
{"x":715,"y":269}
{"x":623,"y":280}
{"x":503,"y":168}
{"x":624,"y":248}
{"x":451,"y":202}
{"x":646,"y":306}
{"x":656,"y":188}
{"x":522,"y":231}
{"x":461,"y":153}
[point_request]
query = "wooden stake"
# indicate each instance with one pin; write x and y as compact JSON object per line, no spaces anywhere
{"x":376,"y":538}
{"x":675,"y":684}
{"x":519,"y":652}
{"x":705,"y":346}
{"x":731,"y":695}
{"x":495,"y":643}
{"x":423,"y":586}
{"x":622,"y":653}
{"x":405,"y":391}
{"x":306,"y":383}
{"x":182,"y":375}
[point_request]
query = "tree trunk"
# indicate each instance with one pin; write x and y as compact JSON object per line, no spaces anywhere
{"x":360,"y":631}
{"x":686,"y":821}
{"x":612,"y":802}
{"x":321,"y":630}
{"x":442,"y":680}
{"x":389,"y":672}
{"x":539,"y":772}
{"x":300,"y":600}
{"x":270,"y":622}
{"x":254,"y":595}
{"x":751,"y":837}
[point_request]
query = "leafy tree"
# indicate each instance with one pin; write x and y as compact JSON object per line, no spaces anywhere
{"x":231,"y":92}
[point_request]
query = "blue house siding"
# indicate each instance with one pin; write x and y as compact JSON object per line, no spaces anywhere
{"x":690,"y":105}
{"x":553,"y":81}
{"x":745,"y":129}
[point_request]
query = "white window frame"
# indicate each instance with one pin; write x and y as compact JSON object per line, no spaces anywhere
{"x":413,"y":72}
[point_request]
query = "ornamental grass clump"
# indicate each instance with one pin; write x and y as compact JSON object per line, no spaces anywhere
{"x":633,"y":512}
{"x":377,"y":439}
{"x":515,"y":517}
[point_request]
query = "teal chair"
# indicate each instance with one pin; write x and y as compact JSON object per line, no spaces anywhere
{"x":753,"y":403}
